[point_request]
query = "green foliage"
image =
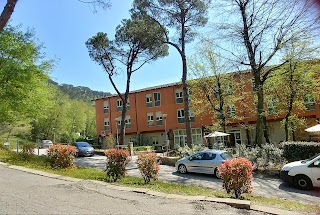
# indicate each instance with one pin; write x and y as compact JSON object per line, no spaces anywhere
{"x":236,"y":175}
{"x":110,"y":141}
{"x":186,"y":150}
{"x":172,"y":14}
{"x":23,"y":76}
{"x":79,"y":92}
{"x":267,"y":155}
{"x":295,"y":151}
{"x":148,"y":166}
{"x":117,"y":159}
{"x":61,"y":156}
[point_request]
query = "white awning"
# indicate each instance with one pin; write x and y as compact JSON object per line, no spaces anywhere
{"x":315,"y":128}
{"x":217,"y":134}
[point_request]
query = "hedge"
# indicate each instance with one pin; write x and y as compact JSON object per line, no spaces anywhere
{"x":295,"y":151}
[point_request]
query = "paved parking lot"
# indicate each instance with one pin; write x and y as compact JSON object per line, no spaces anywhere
{"x":267,"y":187}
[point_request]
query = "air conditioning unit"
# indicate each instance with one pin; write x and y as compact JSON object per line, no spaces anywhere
{"x":103,"y":133}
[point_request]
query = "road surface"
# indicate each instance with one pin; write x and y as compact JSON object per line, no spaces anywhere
{"x":25,"y":193}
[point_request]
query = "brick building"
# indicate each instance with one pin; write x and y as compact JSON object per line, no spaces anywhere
{"x":155,"y":111}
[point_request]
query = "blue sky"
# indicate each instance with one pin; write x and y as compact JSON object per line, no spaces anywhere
{"x":64,"y":26}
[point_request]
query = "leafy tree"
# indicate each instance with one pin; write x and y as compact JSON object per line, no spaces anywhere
{"x":254,"y":35}
{"x":214,"y":91}
{"x":301,"y":81}
{"x":183,"y":16}
{"x":133,"y":47}
{"x":23,"y":76}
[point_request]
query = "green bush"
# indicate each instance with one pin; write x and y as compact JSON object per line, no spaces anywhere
{"x":295,"y":151}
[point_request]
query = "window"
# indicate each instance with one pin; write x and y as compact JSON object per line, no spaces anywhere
{"x":272,"y":108}
{"x":228,"y":89}
{"x":105,"y":107}
{"x":219,"y":113}
{"x":179,"y":98}
{"x":208,"y":156}
{"x":231,"y":111}
{"x":118,"y":121}
{"x":156,"y":99}
{"x":309,"y":102}
{"x":128,"y":104}
{"x":128,"y":122}
{"x":149,"y":100}
{"x":150,"y":119}
{"x":180,"y":116}
{"x":180,"y":137}
{"x":119,"y":105}
{"x":158,"y":118}
{"x":155,"y":140}
{"x":191,"y":115}
{"x":106,"y":124}
{"x":254,"y":89}
{"x":216,"y":93}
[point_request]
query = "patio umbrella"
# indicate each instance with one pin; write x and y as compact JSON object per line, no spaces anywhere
{"x":315,"y":128}
{"x":217,"y":134}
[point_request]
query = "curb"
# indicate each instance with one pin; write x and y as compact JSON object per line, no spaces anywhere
{"x":241,"y":204}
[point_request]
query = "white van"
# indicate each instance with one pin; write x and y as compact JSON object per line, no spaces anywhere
{"x":303,"y":174}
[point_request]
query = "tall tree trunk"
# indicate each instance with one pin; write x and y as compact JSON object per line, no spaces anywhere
{"x":124,"y":107}
{"x":286,"y":130}
{"x":184,"y":83}
{"x":6,"y":13}
{"x":248,"y":136}
{"x":260,"y":111}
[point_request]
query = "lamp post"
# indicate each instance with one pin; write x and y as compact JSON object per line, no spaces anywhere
{"x":116,"y":119}
{"x":54,"y":135}
{"x":164,"y":116}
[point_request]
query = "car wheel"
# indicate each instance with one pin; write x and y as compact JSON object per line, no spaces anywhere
{"x":302,"y":182}
{"x":216,"y":173}
{"x":182,"y":168}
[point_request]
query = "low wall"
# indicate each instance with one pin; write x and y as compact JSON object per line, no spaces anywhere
{"x":170,"y":161}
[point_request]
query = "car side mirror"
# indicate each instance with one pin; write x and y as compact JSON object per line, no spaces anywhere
{"x":191,"y":158}
{"x":317,"y":164}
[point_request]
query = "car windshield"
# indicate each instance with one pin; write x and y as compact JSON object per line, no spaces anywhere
{"x":83,"y":144}
{"x":225,"y":156}
{"x":310,"y":159}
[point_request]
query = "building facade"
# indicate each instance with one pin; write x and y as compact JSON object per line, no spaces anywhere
{"x":156,"y":114}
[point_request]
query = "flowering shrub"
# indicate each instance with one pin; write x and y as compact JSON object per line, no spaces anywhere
{"x":148,"y":166}
{"x":236,"y":174}
{"x":61,"y":156}
{"x":117,"y":159}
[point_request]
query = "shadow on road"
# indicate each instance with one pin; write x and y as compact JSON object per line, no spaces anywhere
{"x":289,"y":188}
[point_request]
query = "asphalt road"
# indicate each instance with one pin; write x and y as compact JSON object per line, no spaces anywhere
{"x":25,"y":193}
{"x":267,"y":187}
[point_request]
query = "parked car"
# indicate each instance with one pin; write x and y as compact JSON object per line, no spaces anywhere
{"x":45,"y":144}
{"x":303,"y":174}
{"x":84,"y":149}
{"x":202,"y":162}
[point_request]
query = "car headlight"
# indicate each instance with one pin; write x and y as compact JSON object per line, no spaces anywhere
{"x":286,"y":168}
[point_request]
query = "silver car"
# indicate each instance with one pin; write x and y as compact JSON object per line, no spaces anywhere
{"x":202,"y":162}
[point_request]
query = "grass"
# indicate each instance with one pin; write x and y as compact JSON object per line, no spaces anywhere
{"x":41,"y":163}
{"x":13,"y":142}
